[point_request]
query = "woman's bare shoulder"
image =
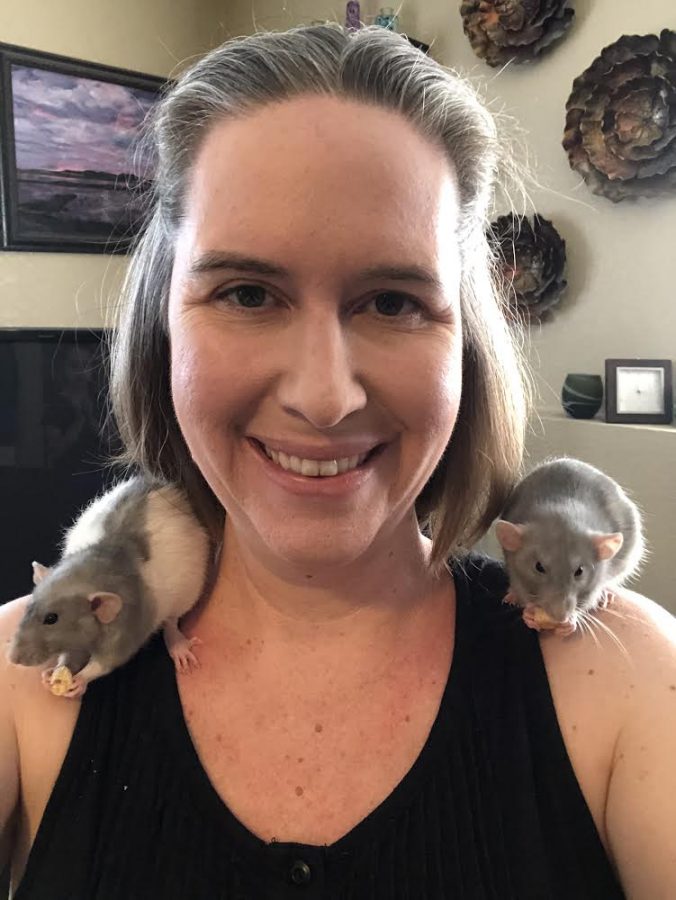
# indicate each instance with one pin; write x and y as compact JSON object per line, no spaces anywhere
{"x":41,"y":726}
{"x":10,"y":615}
{"x":602,"y":680}
{"x":9,"y":754}
{"x":20,"y":681}
{"x":624,"y":647}
{"x":622,"y":652}
{"x":640,"y":812}
{"x":22,"y":685}
{"x":626,"y":636}
{"x":11,"y":676}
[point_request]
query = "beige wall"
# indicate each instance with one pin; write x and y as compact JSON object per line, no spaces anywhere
{"x":151,"y":36}
{"x":622,"y":266}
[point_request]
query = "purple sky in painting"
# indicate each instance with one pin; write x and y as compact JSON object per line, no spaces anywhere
{"x":65,"y":122}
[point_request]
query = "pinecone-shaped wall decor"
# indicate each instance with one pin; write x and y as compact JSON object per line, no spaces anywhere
{"x":621,"y":118}
{"x":531,"y":258}
{"x":519,"y":30}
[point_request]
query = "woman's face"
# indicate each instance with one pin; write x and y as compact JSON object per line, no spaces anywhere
{"x":280,"y":335}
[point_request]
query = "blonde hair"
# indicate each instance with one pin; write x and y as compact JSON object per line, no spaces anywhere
{"x":374,"y":66}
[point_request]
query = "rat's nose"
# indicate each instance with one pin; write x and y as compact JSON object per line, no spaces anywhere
{"x":570,"y":606}
{"x":561,"y":608}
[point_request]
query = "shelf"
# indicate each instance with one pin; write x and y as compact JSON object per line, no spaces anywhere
{"x":560,"y":416}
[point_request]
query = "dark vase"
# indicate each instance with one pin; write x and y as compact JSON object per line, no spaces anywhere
{"x":582,"y":395}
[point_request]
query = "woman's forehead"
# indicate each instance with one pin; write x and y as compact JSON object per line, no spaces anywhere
{"x":320,"y":163}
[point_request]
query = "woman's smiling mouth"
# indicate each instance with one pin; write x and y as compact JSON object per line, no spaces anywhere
{"x":338,"y":474}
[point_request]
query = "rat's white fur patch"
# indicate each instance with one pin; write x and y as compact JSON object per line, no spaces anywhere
{"x":88,"y":529}
{"x":179,"y":553}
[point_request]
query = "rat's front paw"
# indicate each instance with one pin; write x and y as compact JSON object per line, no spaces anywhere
{"x":182,"y":655}
{"x":59,"y":682}
{"x":77,"y":689}
{"x":606,"y":599}
{"x":531,"y":617}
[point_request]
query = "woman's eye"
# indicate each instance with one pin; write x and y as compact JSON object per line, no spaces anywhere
{"x":539,"y":567}
{"x":50,"y":619}
{"x":393,"y":301}
{"x":388,"y":304}
{"x":248,"y":294}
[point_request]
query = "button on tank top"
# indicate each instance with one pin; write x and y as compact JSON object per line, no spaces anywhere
{"x":490,"y":810}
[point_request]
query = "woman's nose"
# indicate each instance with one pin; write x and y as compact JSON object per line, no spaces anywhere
{"x":321,"y":380}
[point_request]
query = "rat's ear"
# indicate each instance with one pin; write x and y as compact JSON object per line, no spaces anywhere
{"x":509,"y":534}
{"x":39,"y":572}
{"x":607,"y":545}
{"x":105,"y":606}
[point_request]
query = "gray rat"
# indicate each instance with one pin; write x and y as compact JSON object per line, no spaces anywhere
{"x":136,"y":559}
{"x":569,"y":535}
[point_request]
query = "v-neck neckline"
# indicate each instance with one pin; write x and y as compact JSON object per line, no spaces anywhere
{"x":204,"y":795}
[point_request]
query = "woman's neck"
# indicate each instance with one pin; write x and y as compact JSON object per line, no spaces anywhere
{"x":363,"y":611}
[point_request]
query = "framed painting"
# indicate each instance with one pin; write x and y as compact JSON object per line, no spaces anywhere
{"x":72,"y":171}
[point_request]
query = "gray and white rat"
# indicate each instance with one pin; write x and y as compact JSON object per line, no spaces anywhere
{"x":570,"y":535}
{"x":136,"y":559}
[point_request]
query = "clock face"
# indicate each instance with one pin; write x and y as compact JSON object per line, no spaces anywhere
{"x":640,"y":390}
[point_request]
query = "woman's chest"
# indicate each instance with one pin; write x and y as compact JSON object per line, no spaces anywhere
{"x":308,"y":772}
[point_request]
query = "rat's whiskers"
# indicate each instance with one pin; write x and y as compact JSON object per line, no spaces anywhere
{"x":593,"y":619}
{"x":585,"y":626}
{"x":620,"y":615}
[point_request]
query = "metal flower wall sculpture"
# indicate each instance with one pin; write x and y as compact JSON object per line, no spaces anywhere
{"x":621,"y":118}
{"x":531,"y":258}
{"x":519,"y":30}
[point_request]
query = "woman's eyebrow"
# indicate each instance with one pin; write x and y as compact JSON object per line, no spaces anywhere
{"x":213,"y":260}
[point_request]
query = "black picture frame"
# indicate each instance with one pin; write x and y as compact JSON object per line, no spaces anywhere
{"x":613,"y":415}
{"x":48,"y":203}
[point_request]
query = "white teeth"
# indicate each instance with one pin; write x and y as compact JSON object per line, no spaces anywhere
{"x":313,"y":467}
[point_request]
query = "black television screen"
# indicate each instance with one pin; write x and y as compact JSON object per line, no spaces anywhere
{"x":54,"y":440}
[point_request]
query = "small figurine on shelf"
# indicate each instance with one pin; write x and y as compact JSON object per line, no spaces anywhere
{"x":352,"y":16}
{"x":387,"y":18}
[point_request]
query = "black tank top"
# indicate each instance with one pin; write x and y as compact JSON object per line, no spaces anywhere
{"x":490,"y":810}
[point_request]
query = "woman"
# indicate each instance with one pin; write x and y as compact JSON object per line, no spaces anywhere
{"x":368,"y":719}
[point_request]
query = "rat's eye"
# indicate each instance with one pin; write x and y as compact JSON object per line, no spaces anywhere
{"x":50,"y":619}
{"x":578,"y":571}
{"x":539,"y":567}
